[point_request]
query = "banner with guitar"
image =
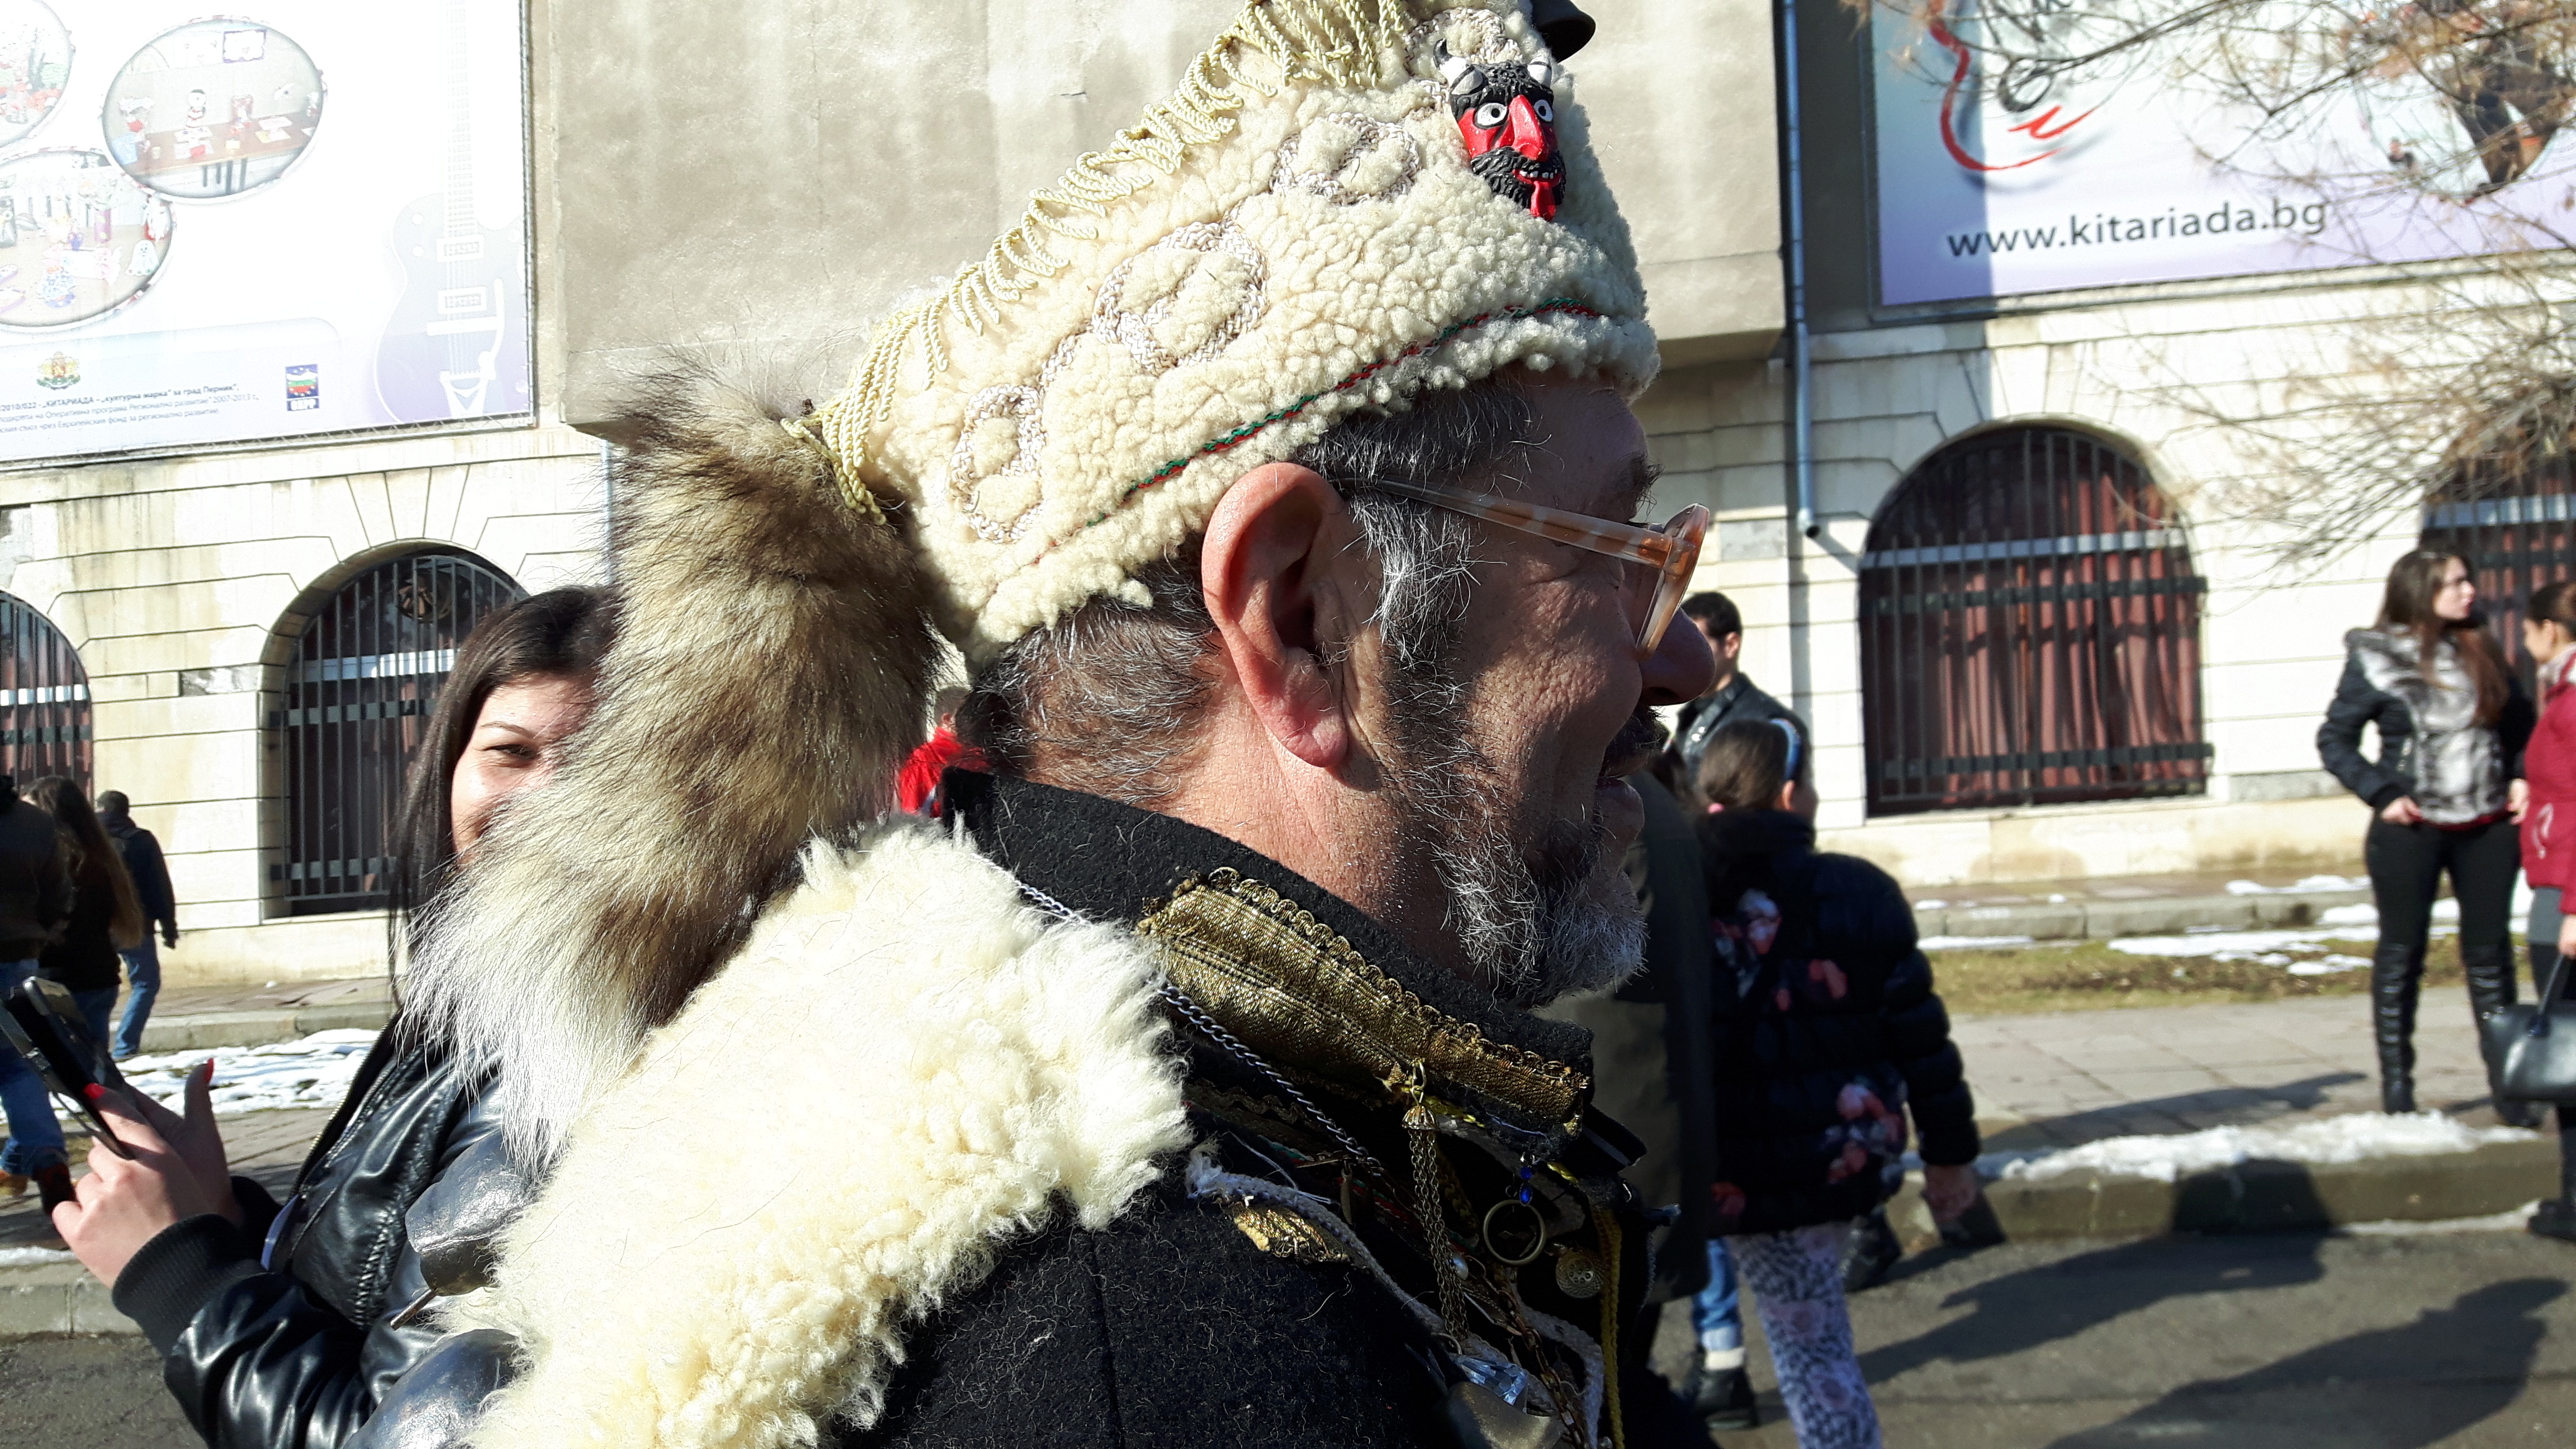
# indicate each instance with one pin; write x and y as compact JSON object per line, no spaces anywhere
{"x":308,"y":217}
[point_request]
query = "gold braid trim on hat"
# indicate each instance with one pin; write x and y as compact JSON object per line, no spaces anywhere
{"x":1340,"y":43}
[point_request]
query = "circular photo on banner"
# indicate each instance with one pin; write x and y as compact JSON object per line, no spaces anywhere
{"x":35,"y":60}
{"x":78,"y":239}
{"x":213,"y":108}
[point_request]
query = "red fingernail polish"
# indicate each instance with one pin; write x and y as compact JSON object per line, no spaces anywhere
{"x":93,"y":1091}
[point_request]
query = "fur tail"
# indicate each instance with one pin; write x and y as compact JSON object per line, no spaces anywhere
{"x":773,"y":667}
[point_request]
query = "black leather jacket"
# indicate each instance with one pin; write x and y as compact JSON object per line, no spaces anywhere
{"x":301,"y":1356}
{"x":2405,"y":766}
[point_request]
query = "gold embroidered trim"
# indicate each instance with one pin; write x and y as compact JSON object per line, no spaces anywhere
{"x":1291,"y":985}
{"x":1283,"y":1234}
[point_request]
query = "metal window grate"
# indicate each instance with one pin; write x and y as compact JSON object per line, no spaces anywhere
{"x":2030,"y":631}
{"x":44,"y":699}
{"x":2512,"y":515}
{"x":358,"y":697}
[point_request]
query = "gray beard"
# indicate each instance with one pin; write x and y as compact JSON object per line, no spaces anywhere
{"x":1538,"y":920}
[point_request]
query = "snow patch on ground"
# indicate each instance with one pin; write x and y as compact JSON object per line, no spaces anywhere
{"x":33,"y":1257}
{"x":2352,"y":1138}
{"x":2308,"y":883}
{"x":1970,"y":943}
{"x":2329,"y":966}
{"x":2512,"y":1220}
{"x":313,"y":1072}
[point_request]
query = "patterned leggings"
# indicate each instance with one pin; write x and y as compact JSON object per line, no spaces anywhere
{"x":1796,"y":1279}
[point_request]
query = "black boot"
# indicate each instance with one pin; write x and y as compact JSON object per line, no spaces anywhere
{"x":1721,"y":1398}
{"x":2395,"y":971}
{"x":1870,"y":1252}
{"x":2491,"y":989}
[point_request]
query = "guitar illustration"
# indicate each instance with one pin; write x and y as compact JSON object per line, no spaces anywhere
{"x":465,"y":298}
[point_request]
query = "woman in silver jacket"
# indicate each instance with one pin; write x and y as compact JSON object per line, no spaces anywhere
{"x":2445,"y":793}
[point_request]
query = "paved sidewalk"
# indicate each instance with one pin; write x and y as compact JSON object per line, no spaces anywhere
{"x":2140,"y":905}
{"x":2062,"y":1079}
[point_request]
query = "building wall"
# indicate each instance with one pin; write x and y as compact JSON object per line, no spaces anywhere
{"x":759,"y":183}
{"x":1888,"y":397}
{"x":185,"y":582}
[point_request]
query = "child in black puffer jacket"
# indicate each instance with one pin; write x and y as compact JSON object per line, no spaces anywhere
{"x":1826,"y":1034}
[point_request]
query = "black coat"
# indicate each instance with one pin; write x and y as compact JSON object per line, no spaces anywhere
{"x":1170,"y":1327}
{"x":1703,"y":717}
{"x":1651,"y":1061}
{"x":1826,"y":1029}
{"x":83,"y":958}
{"x":35,"y":883}
{"x":141,"y":850}
{"x":301,"y":1356}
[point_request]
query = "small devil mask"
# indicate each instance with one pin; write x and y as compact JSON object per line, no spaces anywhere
{"x":1506,"y":111}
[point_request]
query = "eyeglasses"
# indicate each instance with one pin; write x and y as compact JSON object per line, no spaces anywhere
{"x":1672,"y":550}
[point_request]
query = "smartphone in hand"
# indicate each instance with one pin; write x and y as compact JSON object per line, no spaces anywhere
{"x":43,"y":1023}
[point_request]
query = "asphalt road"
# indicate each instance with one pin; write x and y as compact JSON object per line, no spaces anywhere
{"x":2282,"y":1341}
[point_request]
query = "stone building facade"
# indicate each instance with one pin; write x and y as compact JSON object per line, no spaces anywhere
{"x":862,"y":153}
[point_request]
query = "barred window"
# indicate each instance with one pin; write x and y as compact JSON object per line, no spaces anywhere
{"x":366,"y":675}
{"x":2510,"y":510}
{"x":44,"y":699}
{"x":2030,"y":631}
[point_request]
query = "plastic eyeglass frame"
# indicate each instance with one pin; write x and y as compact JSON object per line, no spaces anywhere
{"x":1672,"y":550}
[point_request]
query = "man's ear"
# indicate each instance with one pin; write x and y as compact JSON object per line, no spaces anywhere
{"x":1265,"y":570}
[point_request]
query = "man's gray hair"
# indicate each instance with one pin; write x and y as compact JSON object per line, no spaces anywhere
{"x":1110,"y":699}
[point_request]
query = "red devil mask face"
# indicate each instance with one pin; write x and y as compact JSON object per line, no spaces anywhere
{"x":1506,"y":113}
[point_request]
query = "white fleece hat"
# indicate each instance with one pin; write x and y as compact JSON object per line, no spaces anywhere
{"x":1299,"y":230}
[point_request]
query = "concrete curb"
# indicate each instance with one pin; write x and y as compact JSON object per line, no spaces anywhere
{"x":207,"y":1029}
{"x":2095,"y":920}
{"x":2255,"y":1197}
{"x":55,"y":1299}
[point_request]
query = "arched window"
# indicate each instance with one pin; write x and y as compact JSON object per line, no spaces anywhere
{"x":2509,"y":508}
{"x":44,"y":699}
{"x":366,"y":674}
{"x":2030,"y":630}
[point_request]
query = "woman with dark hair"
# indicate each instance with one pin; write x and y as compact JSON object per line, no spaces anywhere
{"x":2549,"y":844}
{"x":106,"y":914}
{"x":1826,"y":1035}
{"x":286,"y":1325}
{"x":2444,"y":794}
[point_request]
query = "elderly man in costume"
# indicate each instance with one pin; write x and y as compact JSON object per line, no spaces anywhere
{"x":1275,"y":477}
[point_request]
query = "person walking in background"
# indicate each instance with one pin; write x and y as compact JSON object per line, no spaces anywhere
{"x":141,"y":852}
{"x":1732,"y":697}
{"x":2444,"y":793}
{"x":35,"y":896}
{"x":2549,"y":843}
{"x":105,"y":918}
{"x":1827,"y":1034}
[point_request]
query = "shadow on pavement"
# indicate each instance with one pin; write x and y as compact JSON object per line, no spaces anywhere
{"x":2025,"y":1310}
{"x":2232,"y":1106}
{"x":2450,"y":1368}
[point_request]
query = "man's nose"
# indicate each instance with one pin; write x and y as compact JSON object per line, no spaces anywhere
{"x":1681,"y":669}
{"x":1524,"y":131}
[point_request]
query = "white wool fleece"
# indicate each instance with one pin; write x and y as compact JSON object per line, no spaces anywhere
{"x":905,"y":1069}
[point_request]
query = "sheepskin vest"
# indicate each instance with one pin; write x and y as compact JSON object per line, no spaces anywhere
{"x":1079,"y":1125}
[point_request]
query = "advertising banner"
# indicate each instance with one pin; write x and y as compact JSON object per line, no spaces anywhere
{"x":309,"y":217}
{"x":2208,"y":152}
